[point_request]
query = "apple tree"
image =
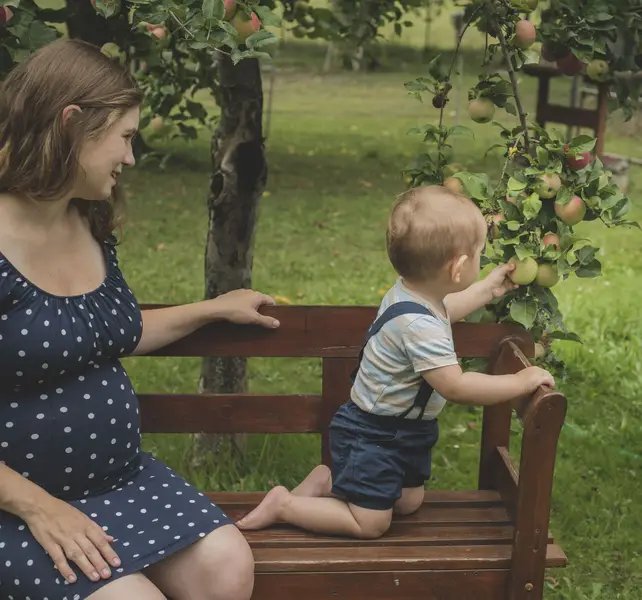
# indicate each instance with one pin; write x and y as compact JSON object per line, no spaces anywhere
{"x":548,"y":185}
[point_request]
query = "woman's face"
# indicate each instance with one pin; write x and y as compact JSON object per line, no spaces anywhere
{"x":101,"y":161}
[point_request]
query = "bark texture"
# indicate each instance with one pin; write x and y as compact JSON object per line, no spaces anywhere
{"x":239,"y":174}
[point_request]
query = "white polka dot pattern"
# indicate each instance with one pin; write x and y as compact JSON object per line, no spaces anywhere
{"x":70,"y":422}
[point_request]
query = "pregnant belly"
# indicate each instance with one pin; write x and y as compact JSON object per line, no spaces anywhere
{"x":76,"y":436}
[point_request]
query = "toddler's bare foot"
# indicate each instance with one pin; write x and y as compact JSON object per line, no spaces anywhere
{"x":266,"y":513}
{"x":317,"y":484}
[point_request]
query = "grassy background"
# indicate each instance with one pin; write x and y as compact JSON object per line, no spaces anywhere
{"x":336,"y":147}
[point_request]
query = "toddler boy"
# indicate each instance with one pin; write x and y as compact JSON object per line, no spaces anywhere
{"x":381,"y":438}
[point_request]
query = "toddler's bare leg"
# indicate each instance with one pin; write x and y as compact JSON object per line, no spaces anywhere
{"x":317,"y":484}
{"x":410,"y":501}
{"x":321,"y":515}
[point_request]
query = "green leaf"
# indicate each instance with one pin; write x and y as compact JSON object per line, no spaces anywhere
{"x":475,"y":184}
{"x":416,"y":86}
{"x":523,"y":252}
{"x":268,"y":18}
{"x":586,"y":255}
{"x":594,"y":269}
{"x":509,"y":107}
{"x":531,"y":206}
{"x":565,"y":335}
{"x":582,"y":143}
{"x":524,"y":312}
{"x":213,"y":9}
{"x":563,"y":195}
{"x":531,"y":57}
{"x":196,"y":110}
{"x":542,"y":155}
{"x":261,"y":38}
{"x":461,"y":130}
{"x":516,"y":186}
{"x":513,"y":225}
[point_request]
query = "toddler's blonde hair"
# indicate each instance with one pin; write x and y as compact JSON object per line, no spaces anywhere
{"x":428,"y":227}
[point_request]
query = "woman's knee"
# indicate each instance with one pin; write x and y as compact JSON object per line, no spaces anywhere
{"x":131,"y":586}
{"x":227,"y":564}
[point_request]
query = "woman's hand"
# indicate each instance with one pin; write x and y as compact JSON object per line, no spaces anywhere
{"x":242,"y":306}
{"x":67,"y":534}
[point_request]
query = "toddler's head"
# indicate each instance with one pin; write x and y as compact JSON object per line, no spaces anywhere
{"x":436,"y":237}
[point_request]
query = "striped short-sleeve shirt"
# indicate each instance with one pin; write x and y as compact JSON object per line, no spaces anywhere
{"x":389,"y":376}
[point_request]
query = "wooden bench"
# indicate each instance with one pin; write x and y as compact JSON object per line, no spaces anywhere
{"x":491,"y":543}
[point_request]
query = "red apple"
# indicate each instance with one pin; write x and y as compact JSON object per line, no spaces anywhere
{"x":6,"y":14}
{"x":549,"y":52}
{"x":525,"y":34}
{"x":494,"y":225}
{"x":570,"y":64}
{"x":230,"y":9}
{"x":572,"y":212}
{"x":244,"y":26}
{"x":551,"y":239}
{"x":577,"y":161}
{"x":159,"y":32}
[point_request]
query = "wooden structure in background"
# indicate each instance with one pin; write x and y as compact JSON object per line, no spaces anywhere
{"x":490,"y":543}
{"x":572,"y":116}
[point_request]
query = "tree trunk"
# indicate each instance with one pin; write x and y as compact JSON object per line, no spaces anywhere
{"x":239,"y":174}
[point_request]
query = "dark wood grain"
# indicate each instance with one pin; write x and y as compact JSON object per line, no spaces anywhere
{"x":495,"y":425}
{"x":230,"y":413}
{"x":319,"y":331}
{"x":506,"y":479}
{"x":382,"y":585}
{"x":368,"y":558}
{"x":432,"y":499}
{"x":543,"y":419}
{"x":399,"y":534}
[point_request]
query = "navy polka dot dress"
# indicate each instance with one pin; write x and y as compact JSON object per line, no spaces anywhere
{"x":69,"y":422}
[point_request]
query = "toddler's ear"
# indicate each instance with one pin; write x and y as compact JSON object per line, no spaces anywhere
{"x":457,"y":267}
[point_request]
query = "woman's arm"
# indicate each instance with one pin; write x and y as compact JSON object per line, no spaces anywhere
{"x":162,"y":326}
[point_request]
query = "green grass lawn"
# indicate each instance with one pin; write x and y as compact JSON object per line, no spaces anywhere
{"x":336,"y":149}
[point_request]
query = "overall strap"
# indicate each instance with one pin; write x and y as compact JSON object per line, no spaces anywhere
{"x":395,"y":310}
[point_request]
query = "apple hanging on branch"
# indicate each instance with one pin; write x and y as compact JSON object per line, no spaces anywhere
{"x":548,"y":186}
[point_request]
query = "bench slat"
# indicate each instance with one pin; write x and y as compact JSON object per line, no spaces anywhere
{"x":382,"y":585}
{"x":399,"y":534}
{"x":425,"y":515}
{"x":320,"y":331}
{"x":432,"y":498}
{"x":230,"y":413}
{"x":495,"y":515}
{"x":369,"y":558}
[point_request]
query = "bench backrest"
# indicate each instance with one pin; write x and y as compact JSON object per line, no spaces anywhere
{"x":333,"y":333}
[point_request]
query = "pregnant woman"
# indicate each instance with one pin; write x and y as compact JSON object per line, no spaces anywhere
{"x":84,"y":513}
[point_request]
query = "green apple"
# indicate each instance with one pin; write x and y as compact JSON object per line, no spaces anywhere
{"x":525,"y":270}
{"x":547,"y":275}
{"x":548,"y":185}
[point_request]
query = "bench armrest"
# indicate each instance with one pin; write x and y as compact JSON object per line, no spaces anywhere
{"x":527,"y":491}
